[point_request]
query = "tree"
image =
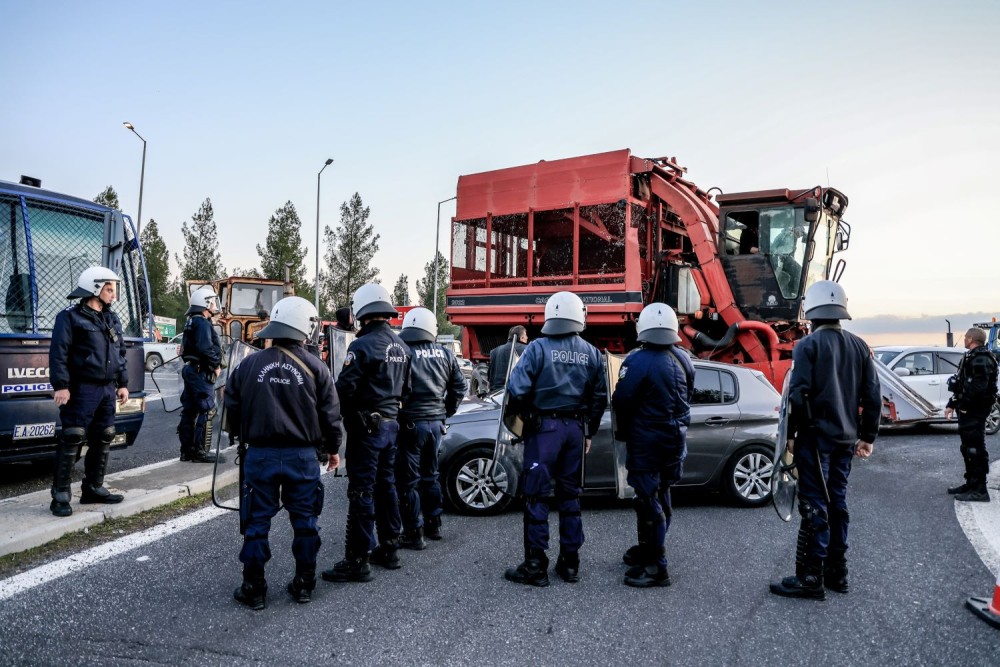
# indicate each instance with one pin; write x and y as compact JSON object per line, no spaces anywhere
{"x":401,"y":292}
{"x":349,"y":252}
{"x":157,"y":265}
{"x":425,"y":291}
{"x":283,"y":245}
{"x":201,"y":247}
{"x":252,"y":272}
{"x":108,"y":198}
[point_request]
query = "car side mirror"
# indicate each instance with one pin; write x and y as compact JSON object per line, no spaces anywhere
{"x":902,"y":372}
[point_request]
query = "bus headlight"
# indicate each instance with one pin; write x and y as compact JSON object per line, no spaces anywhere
{"x":131,"y":406}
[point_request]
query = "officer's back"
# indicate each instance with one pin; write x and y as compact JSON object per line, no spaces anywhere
{"x":376,"y":371}
{"x":558,"y":373}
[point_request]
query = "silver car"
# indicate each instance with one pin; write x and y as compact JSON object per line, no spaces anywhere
{"x":734,"y":423}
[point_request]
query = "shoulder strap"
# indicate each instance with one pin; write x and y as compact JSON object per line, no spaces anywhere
{"x":298,"y":362}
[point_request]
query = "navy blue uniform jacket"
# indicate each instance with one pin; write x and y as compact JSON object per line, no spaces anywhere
{"x":376,"y":373}
{"x":653,"y":394}
{"x":82,"y":349}
{"x":201,"y":344}
{"x":436,"y":383}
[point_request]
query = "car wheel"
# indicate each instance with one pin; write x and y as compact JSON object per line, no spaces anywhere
{"x":993,"y":419}
{"x":748,"y":475}
{"x":471,"y":488}
{"x":153,"y":361}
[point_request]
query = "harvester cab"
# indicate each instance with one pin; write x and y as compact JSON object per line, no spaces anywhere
{"x":246,"y":304}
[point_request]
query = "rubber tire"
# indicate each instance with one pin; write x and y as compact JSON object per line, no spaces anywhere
{"x":729,"y":483}
{"x":450,"y":480}
{"x":993,"y":421}
{"x":153,"y":361}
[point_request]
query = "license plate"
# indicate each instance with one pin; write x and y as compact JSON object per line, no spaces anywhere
{"x":29,"y":431}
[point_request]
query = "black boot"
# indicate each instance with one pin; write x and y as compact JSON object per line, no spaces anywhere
{"x":649,"y":573}
{"x":976,"y":494}
{"x":253,"y":591}
{"x":432,"y":527}
{"x":349,"y":569}
{"x":835,"y":575}
{"x":568,"y":567}
{"x":201,"y":456}
{"x":386,"y":554}
{"x":94,"y":465}
{"x":65,"y":459}
{"x":534,"y":571}
{"x":301,"y":587}
{"x":961,"y":488}
{"x":413,"y":539}
{"x":634,"y":555}
{"x":808,"y":586}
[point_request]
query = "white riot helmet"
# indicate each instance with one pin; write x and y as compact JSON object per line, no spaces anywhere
{"x":825,"y":300}
{"x":92,"y":281}
{"x":204,"y":298}
{"x":419,"y":326}
{"x":657,"y":324}
{"x":372,"y":299}
{"x":564,"y":314}
{"x":293,"y":317}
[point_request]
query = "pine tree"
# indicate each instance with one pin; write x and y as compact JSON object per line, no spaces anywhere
{"x":108,"y":198}
{"x":425,"y":291}
{"x":284,"y":244}
{"x":154,"y":249}
{"x":349,"y":252}
{"x":201,"y":247}
{"x":401,"y":292}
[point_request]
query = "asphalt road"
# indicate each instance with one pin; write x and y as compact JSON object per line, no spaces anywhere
{"x":911,"y":570}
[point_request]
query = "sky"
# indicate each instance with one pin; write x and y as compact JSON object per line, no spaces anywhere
{"x":893,"y":103}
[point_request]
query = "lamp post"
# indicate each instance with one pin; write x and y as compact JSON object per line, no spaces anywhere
{"x":437,"y":244}
{"x":142,"y":175}
{"x":326,"y":164}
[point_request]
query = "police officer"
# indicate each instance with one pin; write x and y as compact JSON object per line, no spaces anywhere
{"x":284,"y":404}
{"x":559,"y":388}
{"x":345,"y":320}
{"x":835,"y":407}
{"x":202,"y":354}
{"x":437,"y":387}
{"x":517,"y":338}
{"x":88,"y":371}
{"x":372,"y":384}
{"x":652,"y":413}
{"x":974,"y":390}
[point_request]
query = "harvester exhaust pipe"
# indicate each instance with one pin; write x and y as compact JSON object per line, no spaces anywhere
{"x":771,"y":338}
{"x":950,"y":338}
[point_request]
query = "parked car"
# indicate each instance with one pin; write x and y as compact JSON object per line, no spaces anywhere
{"x":158,"y":354}
{"x":926,"y":370}
{"x":734,"y":423}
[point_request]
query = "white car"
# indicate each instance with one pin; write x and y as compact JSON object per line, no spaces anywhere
{"x":158,"y":354}
{"x":926,"y":370}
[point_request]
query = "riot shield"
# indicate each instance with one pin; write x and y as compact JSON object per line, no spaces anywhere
{"x":619,"y":451}
{"x":510,"y":425}
{"x":785,"y":479}
{"x":169,"y":380}
{"x":237,"y":352}
{"x":338,"y":341}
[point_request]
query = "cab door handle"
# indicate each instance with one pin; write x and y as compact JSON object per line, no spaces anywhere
{"x":717,"y":421}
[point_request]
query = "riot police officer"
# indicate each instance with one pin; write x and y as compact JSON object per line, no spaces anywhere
{"x":835,"y":408}
{"x":371,"y":385}
{"x":652,"y":413}
{"x":202,"y":354}
{"x":974,"y":390}
{"x":283,"y":403}
{"x":559,"y":388}
{"x":437,"y":387}
{"x":88,"y":372}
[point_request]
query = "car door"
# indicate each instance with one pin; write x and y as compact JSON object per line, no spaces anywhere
{"x":714,"y":416}
{"x":946,"y":365}
{"x":921,"y":376}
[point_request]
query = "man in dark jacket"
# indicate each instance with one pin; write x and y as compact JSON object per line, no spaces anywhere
{"x":836,"y":406}
{"x":202,"y":353}
{"x":437,"y":387}
{"x":88,"y":372}
{"x":517,"y":338}
{"x":974,"y":391}
{"x":283,"y":403}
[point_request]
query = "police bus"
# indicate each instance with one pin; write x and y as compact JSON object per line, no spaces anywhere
{"x":46,"y":240}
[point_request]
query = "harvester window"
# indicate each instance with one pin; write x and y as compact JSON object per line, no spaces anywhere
{"x":742,"y":233}
{"x":786,"y":247}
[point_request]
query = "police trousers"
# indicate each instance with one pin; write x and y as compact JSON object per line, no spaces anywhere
{"x":553,"y":452}
{"x":417,"y":472}
{"x":824,"y":524}
{"x":371,"y":488}
{"x":197,"y":401}
{"x":972,"y":431}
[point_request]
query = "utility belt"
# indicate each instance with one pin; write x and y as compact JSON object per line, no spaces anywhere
{"x":575,"y":415}
{"x":372,"y":421}
{"x":203,"y":370}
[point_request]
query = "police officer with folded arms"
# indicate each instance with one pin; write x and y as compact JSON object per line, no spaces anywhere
{"x":652,"y":410}
{"x":201,"y":350}
{"x":372,"y":385}
{"x":835,"y":407}
{"x":560,"y":390}
{"x":88,"y":372}
{"x":974,"y":391}
{"x":437,"y":387}
{"x":283,"y":403}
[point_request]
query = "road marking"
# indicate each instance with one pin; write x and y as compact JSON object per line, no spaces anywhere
{"x":981,"y":522}
{"x":43,"y":574}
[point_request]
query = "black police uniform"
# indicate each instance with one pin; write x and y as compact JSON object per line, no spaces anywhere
{"x":974,"y":391}
{"x":283,"y":403}
{"x":652,"y":413}
{"x":833,"y":376}
{"x":87,"y":356}
{"x":437,"y":387}
{"x":202,"y":354}
{"x":560,"y":384}
{"x":371,"y":386}
{"x":499,"y":360}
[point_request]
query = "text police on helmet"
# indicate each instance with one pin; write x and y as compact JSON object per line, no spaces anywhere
{"x":657,"y":324}
{"x":204,"y":298}
{"x":825,"y":300}
{"x":372,"y":299}
{"x":564,"y":314}
{"x":293,"y":317}
{"x":419,"y":326}
{"x":92,"y":281}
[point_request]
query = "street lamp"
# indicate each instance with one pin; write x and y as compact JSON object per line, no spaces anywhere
{"x":437,"y":244}
{"x":142,"y":175}
{"x":326,"y":164}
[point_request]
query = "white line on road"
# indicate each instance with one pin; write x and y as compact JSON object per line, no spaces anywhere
{"x":60,"y":568}
{"x":981,"y":523}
